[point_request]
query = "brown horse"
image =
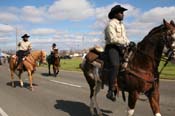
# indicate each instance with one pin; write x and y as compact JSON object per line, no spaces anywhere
{"x":141,"y":74}
{"x":29,"y":65}
{"x":54,"y":61}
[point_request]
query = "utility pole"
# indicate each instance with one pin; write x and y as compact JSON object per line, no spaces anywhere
{"x":16,"y":30}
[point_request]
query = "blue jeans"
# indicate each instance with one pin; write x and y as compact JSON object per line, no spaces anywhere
{"x":114,"y":64}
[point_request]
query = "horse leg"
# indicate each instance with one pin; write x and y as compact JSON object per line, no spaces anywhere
{"x":91,"y":83}
{"x":49,"y":68}
{"x":96,"y":91}
{"x":132,"y":98}
{"x":12,"y":65}
{"x":30,"y":79}
{"x":54,"y":70}
{"x":12,"y":77}
{"x":154,"y":101}
{"x":58,"y":70}
{"x":97,"y":88}
{"x":92,"y":101}
{"x":20,"y":80}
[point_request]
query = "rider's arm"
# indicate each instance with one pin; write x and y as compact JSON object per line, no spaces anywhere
{"x":19,"y":44}
{"x":30,"y":46}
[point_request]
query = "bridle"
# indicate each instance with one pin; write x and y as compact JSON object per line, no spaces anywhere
{"x":168,"y":43}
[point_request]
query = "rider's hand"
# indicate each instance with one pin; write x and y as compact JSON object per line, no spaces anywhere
{"x":132,"y":44}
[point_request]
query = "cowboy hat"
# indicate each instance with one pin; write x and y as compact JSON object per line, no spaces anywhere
{"x":25,"y":36}
{"x":115,"y":10}
{"x":99,"y":49}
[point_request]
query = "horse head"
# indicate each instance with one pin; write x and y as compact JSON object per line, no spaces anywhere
{"x":56,"y":54}
{"x":169,"y":39}
{"x":160,"y":39}
{"x":43,"y":57}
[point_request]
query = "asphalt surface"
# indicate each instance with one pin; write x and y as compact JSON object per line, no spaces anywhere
{"x":68,"y":95}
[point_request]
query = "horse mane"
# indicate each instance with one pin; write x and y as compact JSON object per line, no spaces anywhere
{"x":146,"y":45}
{"x":148,"y":37}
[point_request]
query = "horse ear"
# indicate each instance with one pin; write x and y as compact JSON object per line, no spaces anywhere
{"x":164,"y":21}
{"x":166,"y":24}
{"x":172,"y":23}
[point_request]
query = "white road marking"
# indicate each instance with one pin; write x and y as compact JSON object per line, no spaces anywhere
{"x":64,"y":83}
{"x":2,"y":112}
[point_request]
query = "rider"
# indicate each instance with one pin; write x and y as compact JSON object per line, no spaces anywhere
{"x":54,"y":46}
{"x":115,"y":37}
{"x":24,"y":47}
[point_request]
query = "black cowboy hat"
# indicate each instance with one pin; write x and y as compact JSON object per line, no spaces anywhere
{"x":54,"y":44}
{"x":114,"y":10}
{"x":25,"y":36}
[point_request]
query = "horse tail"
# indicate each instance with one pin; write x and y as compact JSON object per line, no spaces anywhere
{"x":12,"y":62}
{"x":123,"y":96}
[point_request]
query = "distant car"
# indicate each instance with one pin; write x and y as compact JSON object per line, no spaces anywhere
{"x":66,"y":57}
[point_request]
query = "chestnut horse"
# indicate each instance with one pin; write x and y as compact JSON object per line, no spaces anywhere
{"x":29,"y":64}
{"x":141,"y":74}
{"x":54,"y":61}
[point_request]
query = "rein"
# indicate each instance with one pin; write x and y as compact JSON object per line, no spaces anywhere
{"x":28,"y":60}
{"x":166,"y":60}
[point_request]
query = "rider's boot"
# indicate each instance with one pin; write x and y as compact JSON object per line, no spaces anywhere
{"x":111,"y":92}
{"x":111,"y":95}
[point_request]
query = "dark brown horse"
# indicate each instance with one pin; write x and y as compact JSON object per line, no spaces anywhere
{"x":29,"y":65}
{"x":141,"y":74}
{"x":54,"y":61}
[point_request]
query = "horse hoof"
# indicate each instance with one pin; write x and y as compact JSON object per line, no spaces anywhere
{"x":31,"y":89}
{"x":21,"y":85}
{"x":13,"y":84}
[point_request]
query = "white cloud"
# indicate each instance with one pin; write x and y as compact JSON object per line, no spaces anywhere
{"x":157,"y":14}
{"x":43,"y":31}
{"x":95,"y":33}
{"x":101,"y":14}
{"x":137,"y":23}
{"x":4,"y":39}
{"x":6,"y":28}
{"x":144,"y":22}
{"x":137,"y":30}
{"x":8,"y":17}
{"x":33,"y":14}
{"x":71,"y":10}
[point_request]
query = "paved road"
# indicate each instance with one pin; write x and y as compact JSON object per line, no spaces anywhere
{"x":68,"y":95}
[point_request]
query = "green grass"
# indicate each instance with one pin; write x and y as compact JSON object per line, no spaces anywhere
{"x":168,"y":72}
{"x":73,"y":65}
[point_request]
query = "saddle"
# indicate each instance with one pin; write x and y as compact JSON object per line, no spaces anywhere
{"x":22,"y":67}
{"x":94,"y":54}
{"x":100,"y":60}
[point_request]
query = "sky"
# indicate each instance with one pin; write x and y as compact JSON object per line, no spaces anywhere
{"x":76,"y":24}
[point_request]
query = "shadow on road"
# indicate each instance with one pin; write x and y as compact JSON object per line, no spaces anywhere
{"x":47,"y":75}
{"x":26,"y":85}
{"x":75,"y":108}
